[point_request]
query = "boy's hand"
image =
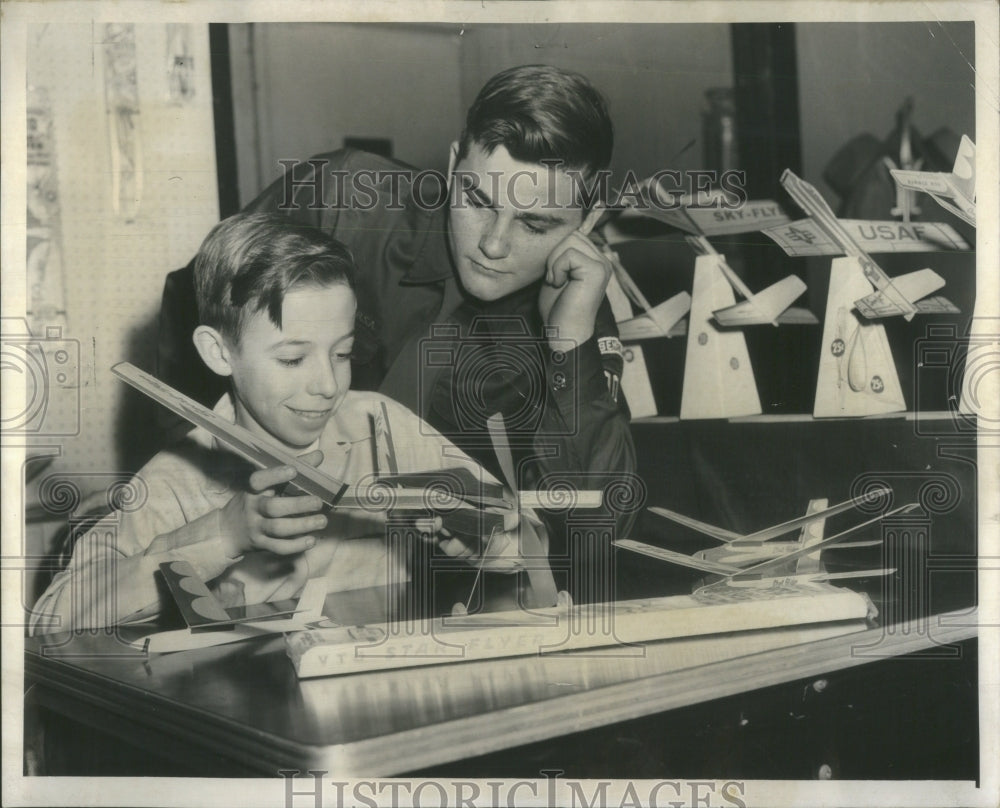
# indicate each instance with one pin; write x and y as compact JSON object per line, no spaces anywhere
{"x":260,"y":519}
{"x":501,"y":551}
{"x":576,"y":276}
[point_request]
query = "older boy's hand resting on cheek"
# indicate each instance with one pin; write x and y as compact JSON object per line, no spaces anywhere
{"x":261,"y":519}
{"x":576,"y":276}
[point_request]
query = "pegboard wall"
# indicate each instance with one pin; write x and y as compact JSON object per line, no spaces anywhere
{"x":132,"y":136}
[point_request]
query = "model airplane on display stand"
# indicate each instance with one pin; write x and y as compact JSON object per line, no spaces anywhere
{"x":902,"y":295}
{"x":772,"y":306}
{"x":666,"y":319}
{"x":959,"y":186}
{"x":857,"y":375}
{"x":755,"y":560}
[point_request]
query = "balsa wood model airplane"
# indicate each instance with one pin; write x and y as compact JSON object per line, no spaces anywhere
{"x":665,"y":319}
{"x":465,"y":504}
{"x":770,"y":306}
{"x":754,"y":560}
{"x":959,"y":186}
{"x":892,"y":296}
{"x":209,"y":623}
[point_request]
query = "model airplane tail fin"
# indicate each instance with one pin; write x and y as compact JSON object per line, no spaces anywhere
{"x":963,"y":174}
{"x":702,"y":527}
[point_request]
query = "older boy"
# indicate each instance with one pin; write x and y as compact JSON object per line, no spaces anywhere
{"x":277,"y":320}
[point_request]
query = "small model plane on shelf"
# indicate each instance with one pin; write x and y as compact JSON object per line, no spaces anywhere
{"x":892,"y":296}
{"x":754,"y":560}
{"x":771,"y":306}
{"x":959,"y":186}
{"x":665,"y":319}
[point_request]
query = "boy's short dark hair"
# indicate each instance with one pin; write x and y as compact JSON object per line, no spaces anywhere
{"x":539,"y":112}
{"x":248,"y":262}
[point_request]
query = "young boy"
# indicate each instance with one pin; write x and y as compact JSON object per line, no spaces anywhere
{"x":277,"y":309}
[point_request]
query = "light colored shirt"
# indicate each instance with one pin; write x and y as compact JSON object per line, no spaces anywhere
{"x":176,"y":516}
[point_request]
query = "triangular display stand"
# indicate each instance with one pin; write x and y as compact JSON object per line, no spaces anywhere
{"x":718,"y":377}
{"x":635,"y":384}
{"x":857,"y":375}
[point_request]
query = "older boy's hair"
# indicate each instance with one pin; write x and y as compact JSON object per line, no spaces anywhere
{"x":539,"y":112}
{"x":249,"y":261}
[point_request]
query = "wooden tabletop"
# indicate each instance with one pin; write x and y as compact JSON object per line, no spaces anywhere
{"x":243,"y":703}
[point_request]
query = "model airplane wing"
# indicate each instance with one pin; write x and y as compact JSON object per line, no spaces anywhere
{"x":810,"y":200}
{"x":796,"y":315}
{"x":794,"y":578}
{"x":741,"y":555}
{"x":802,"y":521}
{"x":259,"y":451}
{"x":769,"y":307}
{"x":765,"y":307}
{"x":202,"y":611}
{"x":712,"y":567}
{"x":763,"y":569}
{"x":805,"y":237}
{"x":913,"y":286}
{"x":937,"y":305}
{"x":663,"y":320}
{"x":702,"y":527}
{"x":834,"y":576}
{"x":926,"y":182}
{"x":737,"y":539}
